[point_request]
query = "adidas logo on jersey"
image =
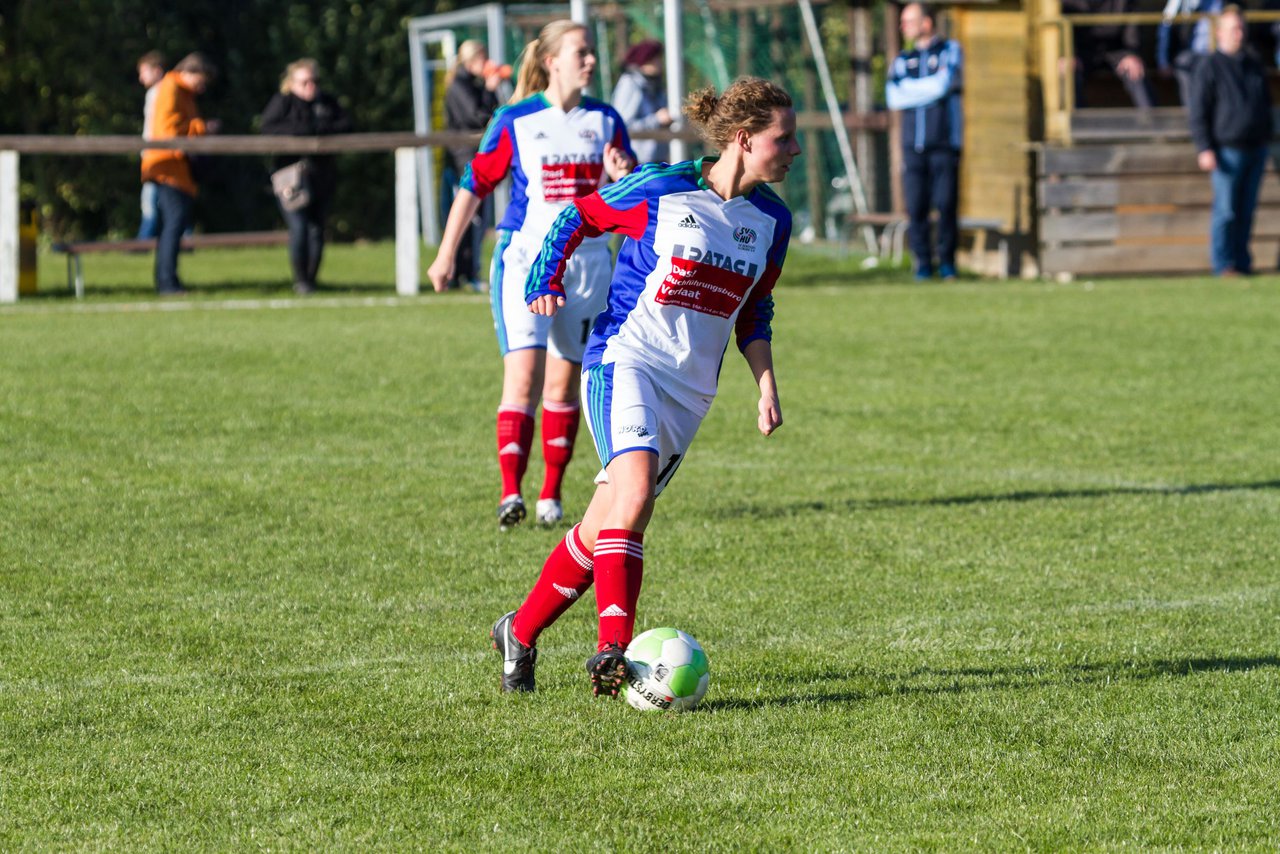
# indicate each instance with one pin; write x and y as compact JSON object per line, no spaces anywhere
{"x":688,"y":222}
{"x":566,"y":592}
{"x":613,"y":611}
{"x":540,"y":135}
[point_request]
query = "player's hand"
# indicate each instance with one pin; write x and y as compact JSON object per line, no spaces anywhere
{"x":1207,"y":160}
{"x":547,"y":305}
{"x":617,"y":163}
{"x":770,"y":415}
{"x":440,"y":272}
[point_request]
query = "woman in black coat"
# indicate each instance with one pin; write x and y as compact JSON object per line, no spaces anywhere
{"x":470,"y":100}
{"x":301,"y":109}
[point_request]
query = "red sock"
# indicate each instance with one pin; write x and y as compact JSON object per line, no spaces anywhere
{"x":559,"y":429}
{"x":565,"y":576}
{"x":619,"y":562}
{"x":515,"y":438}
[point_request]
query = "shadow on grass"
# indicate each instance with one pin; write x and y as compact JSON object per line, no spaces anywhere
{"x":870,"y":504}
{"x":926,"y":681}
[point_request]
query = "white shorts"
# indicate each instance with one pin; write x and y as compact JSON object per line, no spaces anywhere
{"x":586,"y":286}
{"x":627,"y":410}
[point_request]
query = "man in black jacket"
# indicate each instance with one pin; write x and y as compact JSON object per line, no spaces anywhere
{"x":1230,"y":113}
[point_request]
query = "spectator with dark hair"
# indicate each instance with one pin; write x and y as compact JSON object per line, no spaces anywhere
{"x":470,"y":100}
{"x":150,"y":73}
{"x":300,"y":108}
{"x":1113,"y":46}
{"x":925,"y":82}
{"x":641,"y":99}
{"x":1231,"y":127}
{"x":175,"y":116}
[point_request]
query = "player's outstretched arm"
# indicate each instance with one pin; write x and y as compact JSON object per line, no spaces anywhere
{"x":463,"y":210}
{"x":759,"y":355}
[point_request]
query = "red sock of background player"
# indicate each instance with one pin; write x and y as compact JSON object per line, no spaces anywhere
{"x":565,"y":576}
{"x":515,"y":438}
{"x":559,"y":429}
{"x":619,"y":565}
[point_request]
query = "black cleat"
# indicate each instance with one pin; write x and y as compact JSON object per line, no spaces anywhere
{"x":511,"y":512}
{"x":517,"y":659}
{"x":608,"y":670}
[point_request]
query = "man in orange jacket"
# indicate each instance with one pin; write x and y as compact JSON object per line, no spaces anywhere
{"x":175,"y":115}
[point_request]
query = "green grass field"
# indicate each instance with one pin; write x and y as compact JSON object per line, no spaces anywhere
{"x":1007,"y":577}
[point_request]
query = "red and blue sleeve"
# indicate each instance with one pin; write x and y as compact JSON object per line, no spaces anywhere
{"x":621,"y":208}
{"x":492,"y":161}
{"x":756,"y":317}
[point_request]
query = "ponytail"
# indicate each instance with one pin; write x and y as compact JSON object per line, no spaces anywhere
{"x":533,"y":76}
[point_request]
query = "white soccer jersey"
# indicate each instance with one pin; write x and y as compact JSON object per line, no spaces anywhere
{"x":696,"y":269}
{"x":554,"y":157}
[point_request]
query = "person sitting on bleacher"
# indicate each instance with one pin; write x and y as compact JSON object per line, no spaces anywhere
{"x":1113,"y":46}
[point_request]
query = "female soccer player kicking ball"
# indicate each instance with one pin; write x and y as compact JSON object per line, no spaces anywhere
{"x":706,"y":242}
{"x":558,"y":146}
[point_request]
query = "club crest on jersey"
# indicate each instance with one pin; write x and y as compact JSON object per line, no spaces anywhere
{"x":587,"y":133}
{"x":745,"y":236}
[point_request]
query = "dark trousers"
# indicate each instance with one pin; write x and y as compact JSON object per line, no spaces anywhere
{"x":930,"y":182}
{"x":173,"y":208}
{"x":306,"y":239}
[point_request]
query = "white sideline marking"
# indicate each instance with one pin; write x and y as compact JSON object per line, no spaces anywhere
{"x":240,"y":304}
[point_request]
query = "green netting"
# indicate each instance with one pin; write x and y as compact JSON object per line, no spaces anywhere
{"x":718,"y":47}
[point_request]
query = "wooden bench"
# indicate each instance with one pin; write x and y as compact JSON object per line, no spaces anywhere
{"x":893,"y":235}
{"x":225,"y":240}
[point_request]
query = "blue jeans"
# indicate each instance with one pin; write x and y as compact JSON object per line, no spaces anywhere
{"x":150,"y":222}
{"x":1235,"y":195}
{"x":174,"y":209}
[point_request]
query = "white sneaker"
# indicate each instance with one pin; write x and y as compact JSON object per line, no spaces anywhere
{"x":548,"y":511}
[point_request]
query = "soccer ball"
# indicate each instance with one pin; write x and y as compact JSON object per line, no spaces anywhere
{"x":666,"y":671}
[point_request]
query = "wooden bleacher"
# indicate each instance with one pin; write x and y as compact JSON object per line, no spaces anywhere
{"x":1128,"y":198}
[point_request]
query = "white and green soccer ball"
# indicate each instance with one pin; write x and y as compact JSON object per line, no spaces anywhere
{"x":666,"y":671}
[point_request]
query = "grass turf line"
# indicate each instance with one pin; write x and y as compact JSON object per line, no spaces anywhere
{"x":1005,"y":578}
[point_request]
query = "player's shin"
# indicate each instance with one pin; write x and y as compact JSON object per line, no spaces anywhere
{"x":565,"y":576}
{"x":619,"y":566}
{"x":559,"y":430}
{"x":515,"y":438}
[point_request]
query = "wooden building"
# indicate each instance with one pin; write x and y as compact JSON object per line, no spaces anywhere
{"x":1107,"y":190}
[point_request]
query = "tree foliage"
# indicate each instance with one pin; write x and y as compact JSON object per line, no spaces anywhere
{"x":68,"y":67}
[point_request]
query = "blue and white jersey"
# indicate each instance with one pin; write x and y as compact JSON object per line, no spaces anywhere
{"x":925,"y":84}
{"x":694,"y":270}
{"x":553,"y":156}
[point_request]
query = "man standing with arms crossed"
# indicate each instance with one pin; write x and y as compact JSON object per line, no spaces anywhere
{"x":925,"y":82}
{"x":1230,"y":113}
